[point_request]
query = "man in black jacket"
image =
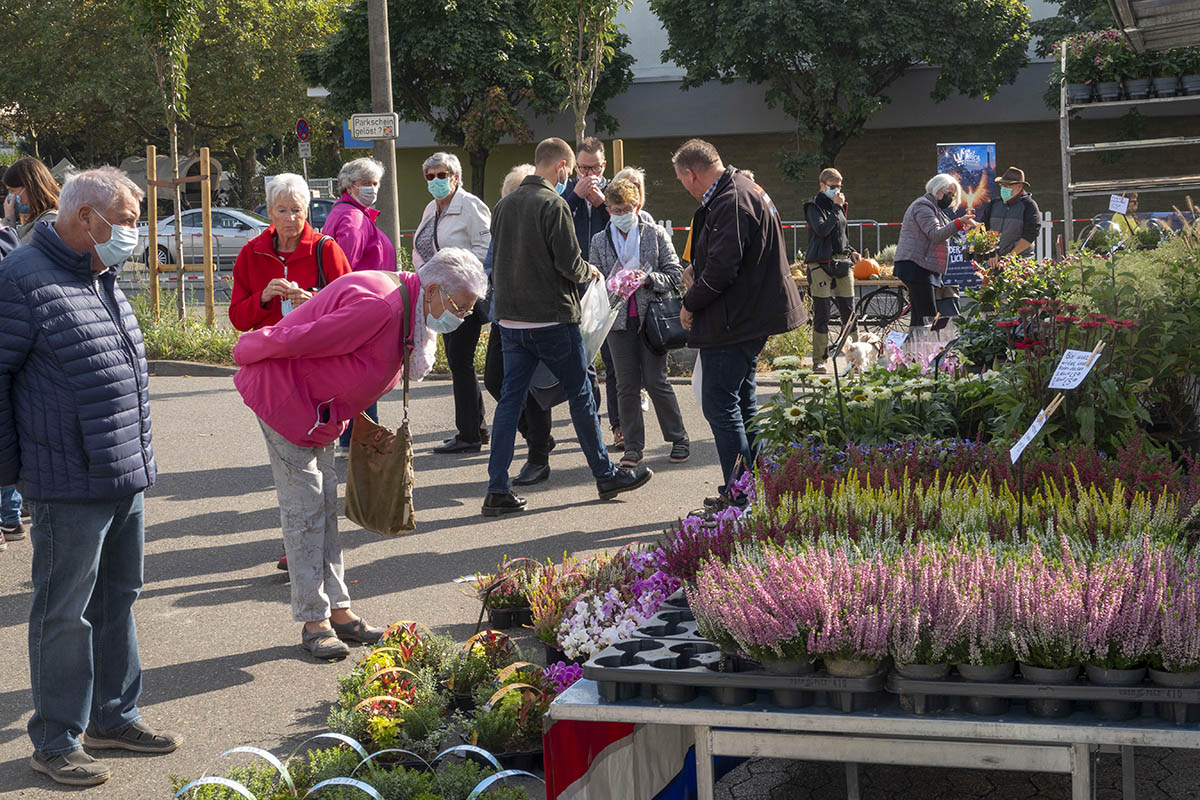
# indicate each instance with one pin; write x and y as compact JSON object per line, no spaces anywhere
{"x":536,"y":269}
{"x":1014,"y":214}
{"x":585,"y":197}
{"x":740,"y":291}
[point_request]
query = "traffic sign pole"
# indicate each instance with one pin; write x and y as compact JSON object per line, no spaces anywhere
{"x":381,"y":102}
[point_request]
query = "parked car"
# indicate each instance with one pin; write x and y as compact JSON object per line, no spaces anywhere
{"x":231,"y":229}
{"x":318,"y":211}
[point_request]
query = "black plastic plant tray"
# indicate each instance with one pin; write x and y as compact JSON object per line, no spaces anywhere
{"x":671,"y":624}
{"x":677,"y":672}
{"x":1018,"y":688}
{"x":676,"y":602}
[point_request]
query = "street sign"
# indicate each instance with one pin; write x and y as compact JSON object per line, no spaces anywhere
{"x":306,"y":149}
{"x":366,"y":127}
{"x":302,"y":130}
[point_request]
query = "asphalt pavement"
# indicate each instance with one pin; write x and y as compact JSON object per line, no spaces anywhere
{"x":222,"y":657}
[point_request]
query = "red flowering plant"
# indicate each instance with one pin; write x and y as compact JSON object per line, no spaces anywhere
{"x":983,"y":330}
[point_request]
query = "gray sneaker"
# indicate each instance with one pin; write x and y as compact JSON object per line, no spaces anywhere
{"x":13,"y":533}
{"x":138,"y":737}
{"x":323,"y":644}
{"x":75,"y":768}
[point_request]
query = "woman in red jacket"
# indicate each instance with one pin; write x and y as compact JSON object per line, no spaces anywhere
{"x":277,"y":270}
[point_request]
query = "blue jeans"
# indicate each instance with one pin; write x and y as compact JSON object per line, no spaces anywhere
{"x":372,"y":412}
{"x":561,"y":347}
{"x":729,"y":398}
{"x":83,"y":656}
{"x":10,"y":506}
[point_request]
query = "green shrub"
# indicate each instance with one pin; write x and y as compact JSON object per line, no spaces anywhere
{"x":189,"y":339}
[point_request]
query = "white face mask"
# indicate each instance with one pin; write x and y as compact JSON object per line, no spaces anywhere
{"x":367,"y":195}
{"x":120,"y":244}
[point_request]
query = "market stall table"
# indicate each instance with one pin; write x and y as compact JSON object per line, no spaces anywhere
{"x":1013,"y":741}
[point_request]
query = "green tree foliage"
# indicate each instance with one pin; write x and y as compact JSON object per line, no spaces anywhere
{"x":469,"y":70}
{"x":581,"y":35}
{"x":828,"y":64}
{"x":1074,"y":16}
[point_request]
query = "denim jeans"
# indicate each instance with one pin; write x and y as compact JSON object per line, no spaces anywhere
{"x":10,"y":506}
{"x":729,"y":400}
{"x":561,"y":347}
{"x":372,"y":412}
{"x":83,"y":655}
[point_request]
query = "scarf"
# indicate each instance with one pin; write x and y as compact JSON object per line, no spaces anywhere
{"x":424,"y":343}
{"x":628,"y":248}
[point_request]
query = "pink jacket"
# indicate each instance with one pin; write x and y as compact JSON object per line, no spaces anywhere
{"x":352,"y":225}
{"x":325,"y":362}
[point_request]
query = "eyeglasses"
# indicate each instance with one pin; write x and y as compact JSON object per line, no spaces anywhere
{"x":596,"y":170}
{"x":441,"y":176}
{"x":454,"y":309}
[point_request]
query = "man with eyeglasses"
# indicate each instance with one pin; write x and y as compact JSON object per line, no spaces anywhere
{"x":585,"y":197}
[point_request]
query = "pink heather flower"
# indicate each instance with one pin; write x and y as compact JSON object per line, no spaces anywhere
{"x":1049,"y":615}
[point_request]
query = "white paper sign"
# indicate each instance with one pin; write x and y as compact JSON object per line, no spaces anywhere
{"x":1073,"y":368}
{"x":897,"y":338}
{"x":1118,"y":204}
{"x":305,"y":149}
{"x":1015,"y":452}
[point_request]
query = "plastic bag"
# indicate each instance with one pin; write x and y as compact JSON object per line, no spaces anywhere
{"x":596,"y":318}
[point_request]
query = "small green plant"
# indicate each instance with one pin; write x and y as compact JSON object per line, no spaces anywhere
{"x":172,"y":339}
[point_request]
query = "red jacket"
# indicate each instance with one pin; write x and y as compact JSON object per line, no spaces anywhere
{"x":258,"y":263}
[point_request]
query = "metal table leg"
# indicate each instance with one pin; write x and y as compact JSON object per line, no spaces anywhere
{"x":704,"y":763}
{"x":1128,"y":777}
{"x":1081,"y":772}
{"x":852,"y":792}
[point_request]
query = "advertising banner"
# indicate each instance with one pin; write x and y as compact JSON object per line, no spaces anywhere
{"x":974,"y":164}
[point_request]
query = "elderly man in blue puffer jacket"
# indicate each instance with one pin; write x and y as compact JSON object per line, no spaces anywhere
{"x":75,"y":439}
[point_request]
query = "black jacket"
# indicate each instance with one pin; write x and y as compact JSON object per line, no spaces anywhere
{"x":743,"y":286}
{"x":1015,"y":220}
{"x":587,"y":224}
{"x":826,"y":229}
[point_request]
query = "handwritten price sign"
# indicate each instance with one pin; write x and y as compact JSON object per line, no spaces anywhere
{"x":1074,"y":367}
{"x":1034,"y":429}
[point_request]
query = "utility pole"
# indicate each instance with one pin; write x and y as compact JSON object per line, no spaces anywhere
{"x":381,"y":102}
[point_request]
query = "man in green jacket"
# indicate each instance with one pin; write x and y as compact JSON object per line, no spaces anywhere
{"x":536,"y":269}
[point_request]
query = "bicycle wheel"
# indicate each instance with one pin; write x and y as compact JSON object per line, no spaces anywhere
{"x":884,"y":310}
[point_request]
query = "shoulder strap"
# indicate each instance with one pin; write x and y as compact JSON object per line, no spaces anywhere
{"x":321,"y":260}
{"x":406,"y":342}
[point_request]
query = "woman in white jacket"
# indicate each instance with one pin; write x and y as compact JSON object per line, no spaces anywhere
{"x":457,"y":218}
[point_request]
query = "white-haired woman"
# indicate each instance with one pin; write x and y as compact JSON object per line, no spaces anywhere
{"x":456,"y":218}
{"x":276,"y":271}
{"x":921,"y":254}
{"x":306,"y":378}
{"x":351,"y":223}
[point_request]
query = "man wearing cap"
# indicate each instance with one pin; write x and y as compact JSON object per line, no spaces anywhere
{"x":1014,"y":214}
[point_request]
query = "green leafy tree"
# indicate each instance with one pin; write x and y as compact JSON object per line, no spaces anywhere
{"x":469,"y":70}
{"x":1074,"y":16}
{"x":580,"y":35}
{"x":828,"y":64}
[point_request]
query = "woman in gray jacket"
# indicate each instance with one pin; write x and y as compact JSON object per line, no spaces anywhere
{"x":632,"y":241}
{"x":921,"y":254}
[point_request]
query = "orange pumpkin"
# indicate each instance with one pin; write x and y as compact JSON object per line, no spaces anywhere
{"x":865,"y":268}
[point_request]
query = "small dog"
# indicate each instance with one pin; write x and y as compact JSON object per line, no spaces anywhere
{"x":863,"y":353}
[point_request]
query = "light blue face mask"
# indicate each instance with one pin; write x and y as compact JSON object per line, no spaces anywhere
{"x":831,"y":191}
{"x":625,"y":222}
{"x":120,"y":245}
{"x":447,"y":322}
{"x":439,"y":187}
{"x":1006,"y":193}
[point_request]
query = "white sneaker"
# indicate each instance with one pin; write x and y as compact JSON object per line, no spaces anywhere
{"x":645,"y":400}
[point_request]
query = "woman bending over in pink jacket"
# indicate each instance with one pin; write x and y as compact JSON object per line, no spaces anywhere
{"x":311,"y":373}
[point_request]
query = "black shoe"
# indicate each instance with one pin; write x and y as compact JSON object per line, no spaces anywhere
{"x":138,"y":738}
{"x":485,"y":436}
{"x":624,"y":480}
{"x":456,"y":445}
{"x":13,"y":533}
{"x":532,"y":473}
{"x":496,"y":504}
{"x":75,"y":768}
{"x":681,"y":451}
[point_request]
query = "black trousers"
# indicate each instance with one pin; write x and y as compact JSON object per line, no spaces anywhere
{"x":468,"y":399}
{"x":610,"y":387}
{"x":924,"y":306}
{"x":534,"y":424}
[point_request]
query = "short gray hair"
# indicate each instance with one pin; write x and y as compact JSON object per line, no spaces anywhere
{"x":352,"y":172}
{"x":290,"y":185}
{"x":636,"y":176}
{"x":448,"y":160}
{"x":514,"y":178}
{"x":455,"y":270}
{"x":941,"y":182}
{"x":101,"y":188}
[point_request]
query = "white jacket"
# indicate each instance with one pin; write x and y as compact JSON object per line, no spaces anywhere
{"x":465,"y":223}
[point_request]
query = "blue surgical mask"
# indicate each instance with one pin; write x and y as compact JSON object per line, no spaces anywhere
{"x":439,"y":187}
{"x":625,"y":222}
{"x":1005,"y":193}
{"x":831,"y":191}
{"x":560,"y":187}
{"x":448,"y":322}
{"x":120,"y":244}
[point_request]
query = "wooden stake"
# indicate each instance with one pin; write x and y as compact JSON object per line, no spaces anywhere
{"x":618,"y":155}
{"x":206,"y":232}
{"x":152,"y":218}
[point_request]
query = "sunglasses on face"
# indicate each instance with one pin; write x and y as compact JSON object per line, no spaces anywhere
{"x":441,"y":176}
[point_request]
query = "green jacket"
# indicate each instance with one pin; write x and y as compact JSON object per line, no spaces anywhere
{"x":536,"y":264}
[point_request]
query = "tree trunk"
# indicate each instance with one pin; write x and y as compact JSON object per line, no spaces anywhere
{"x":580,"y":127}
{"x":246,"y":176}
{"x":180,"y":305}
{"x":478,"y":165}
{"x":832,"y":142}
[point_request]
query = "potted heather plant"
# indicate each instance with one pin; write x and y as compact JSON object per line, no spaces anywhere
{"x":1047,"y":625}
{"x":1080,"y":73}
{"x":1137,"y":84}
{"x":853,"y":619}
{"x":1166,"y":67}
{"x":1175,"y":660}
{"x":984,"y":652}
{"x":1189,"y":69}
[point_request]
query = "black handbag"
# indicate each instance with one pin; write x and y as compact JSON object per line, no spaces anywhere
{"x":661,"y":329}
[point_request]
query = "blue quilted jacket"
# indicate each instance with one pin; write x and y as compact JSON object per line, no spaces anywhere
{"x":74,"y":403}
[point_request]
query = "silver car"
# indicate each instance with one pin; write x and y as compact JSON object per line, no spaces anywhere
{"x":231,"y":229}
